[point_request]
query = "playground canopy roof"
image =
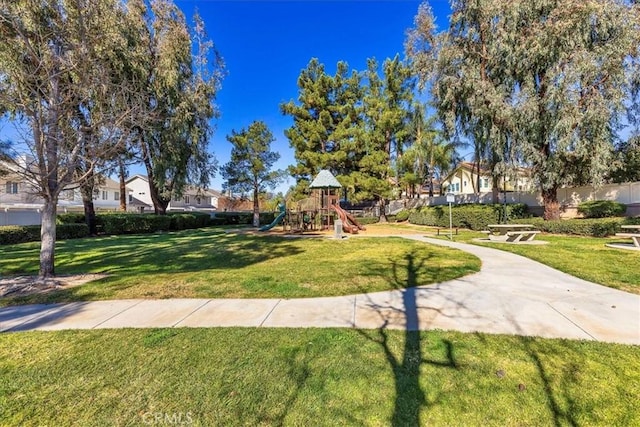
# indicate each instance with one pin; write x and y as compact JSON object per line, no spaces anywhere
{"x":325,"y":179}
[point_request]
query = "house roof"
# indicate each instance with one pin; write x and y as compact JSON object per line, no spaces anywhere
{"x":142,"y":177}
{"x":325,"y":179}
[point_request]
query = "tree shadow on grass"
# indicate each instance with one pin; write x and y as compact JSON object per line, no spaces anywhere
{"x":410,"y":398}
{"x":139,"y":255}
{"x":536,"y":350}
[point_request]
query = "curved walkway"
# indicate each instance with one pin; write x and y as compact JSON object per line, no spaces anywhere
{"x":510,"y":295}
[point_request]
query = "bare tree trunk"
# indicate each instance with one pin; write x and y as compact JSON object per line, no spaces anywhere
{"x":430,"y":184}
{"x":256,"y":208}
{"x":159,"y":205}
{"x":48,"y":239}
{"x":383,"y":214}
{"x":89,"y":210}
{"x":494,"y":190}
{"x":551,"y":205}
{"x":86,"y":189}
{"x":123,"y":187}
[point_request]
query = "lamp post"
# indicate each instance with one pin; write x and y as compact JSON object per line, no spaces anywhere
{"x":451,"y":198}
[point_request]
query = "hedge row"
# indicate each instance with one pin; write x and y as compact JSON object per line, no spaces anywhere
{"x":583,"y":227}
{"x":72,"y":225}
{"x":473,"y":217}
{"x":12,"y":234}
{"x":601,"y":209}
{"x":126,"y":223}
{"x":241,"y":218}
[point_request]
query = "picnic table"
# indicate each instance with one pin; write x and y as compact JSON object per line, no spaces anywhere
{"x":634,"y":233}
{"x":513,"y":233}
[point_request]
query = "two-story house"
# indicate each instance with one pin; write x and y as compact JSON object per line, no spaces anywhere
{"x":464,"y":180}
{"x":192,"y":199}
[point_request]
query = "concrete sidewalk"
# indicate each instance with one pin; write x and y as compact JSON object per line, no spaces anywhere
{"x":510,"y":295}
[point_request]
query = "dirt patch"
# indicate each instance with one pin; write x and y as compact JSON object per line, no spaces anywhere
{"x":29,"y":285}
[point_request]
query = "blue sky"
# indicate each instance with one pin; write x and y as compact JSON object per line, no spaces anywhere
{"x":265,"y":45}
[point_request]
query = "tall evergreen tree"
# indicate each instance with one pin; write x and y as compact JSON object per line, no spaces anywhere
{"x":386,"y":113}
{"x":249,"y":169}
{"x":325,"y":121}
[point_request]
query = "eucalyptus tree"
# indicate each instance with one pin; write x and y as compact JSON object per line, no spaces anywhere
{"x":56,"y":87}
{"x":250,"y":166}
{"x":543,"y":82}
{"x":180,"y":73}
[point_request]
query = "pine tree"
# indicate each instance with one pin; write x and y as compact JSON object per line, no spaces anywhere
{"x":249,"y":169}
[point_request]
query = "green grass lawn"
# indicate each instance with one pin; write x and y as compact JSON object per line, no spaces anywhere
{"x":585,"y":257}
{"x":324,"y":377}
{"x":209,"y":263}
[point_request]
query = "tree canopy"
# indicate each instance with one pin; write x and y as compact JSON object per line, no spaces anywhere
{"x":542,"y":83}
{"x":85,"y":80}
{"x":353,"y":123}
{"x":249,"y":169}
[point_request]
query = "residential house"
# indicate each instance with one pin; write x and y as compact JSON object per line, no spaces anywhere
{"x":20,"y":202}
{"x":192,"y":199}
{"x":464,"y":179}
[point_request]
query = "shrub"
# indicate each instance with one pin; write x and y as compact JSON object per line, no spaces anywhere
{"x":71,"y":231}
{"x":13,"y":234}
{"x":403,"y":215}
{"x":126,"y":223}
{"x":365,"y":220}
{"x":581,"y":227}
{"x":70,"y":218}
{"x":601,"y":209}
{"x":474,"y":217}
{"x":241,"y":218}
{"x":188,"y":220}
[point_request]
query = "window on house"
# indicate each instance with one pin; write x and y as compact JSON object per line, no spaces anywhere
{"x":198,"y":200}
{"x":186,"y":200}
{"x":485,"y":182}
{"x":457,"y":187}
{"x":116,"y":195}
{"x":12,"y":187}
{"x":465,"y":184}
{"x":105,"y":195}
{"x":130,"y":198}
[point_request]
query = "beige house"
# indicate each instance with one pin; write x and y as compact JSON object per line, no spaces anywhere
{"x":464,"y":179}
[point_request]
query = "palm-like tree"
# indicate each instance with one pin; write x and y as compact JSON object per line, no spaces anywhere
{"x":430,"y":155}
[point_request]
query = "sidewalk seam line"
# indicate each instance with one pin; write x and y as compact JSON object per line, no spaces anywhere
{"x":117,"y":314}
{"x":353,"y":322}
{"x":189,"y":314}
{"x":574,"y":323}
{"x":269,"y":313}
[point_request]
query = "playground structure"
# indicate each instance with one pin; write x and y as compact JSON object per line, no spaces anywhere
{"x":316,"y":212}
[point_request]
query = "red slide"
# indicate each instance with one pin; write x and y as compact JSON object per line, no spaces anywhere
{"x":349,"y":223}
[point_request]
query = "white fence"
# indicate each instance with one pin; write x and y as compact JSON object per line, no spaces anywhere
{"x":19,"y":217}
{"x":627,"y":193}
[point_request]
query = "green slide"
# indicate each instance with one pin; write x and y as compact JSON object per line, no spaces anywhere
{"x":283,"y":212}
